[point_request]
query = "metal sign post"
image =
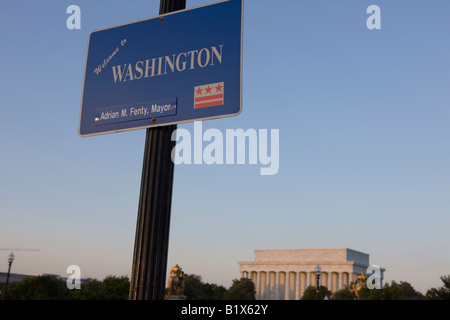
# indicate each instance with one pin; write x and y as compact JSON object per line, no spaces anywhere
{"x":151,"y":245}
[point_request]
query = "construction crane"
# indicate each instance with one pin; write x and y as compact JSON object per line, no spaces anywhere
{"x":19,"y":249}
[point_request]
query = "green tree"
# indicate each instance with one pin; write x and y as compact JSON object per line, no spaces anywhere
{"x":311,"y":293}
{"x":193,"y":287}
{"x":409,"y":293}
{"x":343,"y":294}
{"x":111,"y":288}
{"x":243,"y":289}
{"x":367,"y":294}
{"x":217,"y":292}
{"x":90,"y":290}
{"x":115,"y":288}
{"x":390,"y":291}
{"x":441,"y":293}
{"x":38,"y":288}
{"x":196,"y":289}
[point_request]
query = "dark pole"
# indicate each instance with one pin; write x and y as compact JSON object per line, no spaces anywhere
{"x":317,"y":286}
{"x":151,"y":245}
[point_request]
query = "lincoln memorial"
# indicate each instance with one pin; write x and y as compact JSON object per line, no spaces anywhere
{"x":285,"y":274}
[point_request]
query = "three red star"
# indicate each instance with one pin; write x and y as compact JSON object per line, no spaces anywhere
{"x":218,"y":88}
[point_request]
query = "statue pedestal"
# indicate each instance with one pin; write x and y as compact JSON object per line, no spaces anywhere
{"x":175,"y":298}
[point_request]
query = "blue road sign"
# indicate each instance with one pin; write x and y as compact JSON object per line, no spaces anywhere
{"x":173,"y":68}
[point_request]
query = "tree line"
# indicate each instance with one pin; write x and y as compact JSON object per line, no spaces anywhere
{"x":117,"y":288}
{"x":390,"y":291}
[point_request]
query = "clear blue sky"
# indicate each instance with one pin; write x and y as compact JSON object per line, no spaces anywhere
{"x":364,"y":143}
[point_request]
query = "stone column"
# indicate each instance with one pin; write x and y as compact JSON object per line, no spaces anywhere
{"x":324,"y":279}
{"x":303,"y":283}
{"x":312,"y":279}
{"x":307,"y":280}
{"x":331,"y":282}
{"x":277,"y":285}
{"x":346,"y":281}
{"x":286,"y":285}
{"x":292,"y":285}
{"x":266,"y":284}
{"x":258,"y":286}
{"x":272,"y":280}
{"x":254,"y":278}
{"x":336,"y":285}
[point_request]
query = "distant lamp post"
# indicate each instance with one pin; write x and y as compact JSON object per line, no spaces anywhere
{"x":10,"y":261}
{"x":318,"y":272}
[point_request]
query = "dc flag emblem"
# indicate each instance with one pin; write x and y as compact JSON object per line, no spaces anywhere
{"x":209,"y":95}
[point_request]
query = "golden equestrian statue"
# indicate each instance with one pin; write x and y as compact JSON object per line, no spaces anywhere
{"x":358,"y":284}
{"x":176,"y":283}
